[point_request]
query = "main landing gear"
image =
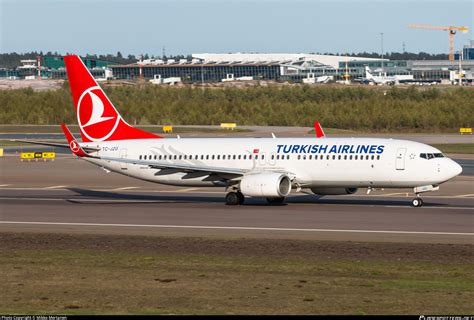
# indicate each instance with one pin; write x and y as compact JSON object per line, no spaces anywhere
{"x":234,"y":198}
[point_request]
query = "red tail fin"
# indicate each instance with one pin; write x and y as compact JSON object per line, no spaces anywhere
{"x":96,"y":115}
{"x":318,"y":130}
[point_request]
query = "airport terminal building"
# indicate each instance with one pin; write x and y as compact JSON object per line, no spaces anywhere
{"x":203,"y":68}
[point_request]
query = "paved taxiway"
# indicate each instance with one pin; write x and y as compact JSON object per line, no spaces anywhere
{"x":70,"y":195}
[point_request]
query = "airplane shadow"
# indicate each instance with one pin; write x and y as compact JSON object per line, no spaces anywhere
{"x":186,"y":198}
{"x":136,"y":198}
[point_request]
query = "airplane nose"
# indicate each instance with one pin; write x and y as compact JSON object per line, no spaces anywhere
{"x":456,"y":169}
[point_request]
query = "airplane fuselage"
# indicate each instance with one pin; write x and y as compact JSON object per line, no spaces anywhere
{"x":328,"y":162}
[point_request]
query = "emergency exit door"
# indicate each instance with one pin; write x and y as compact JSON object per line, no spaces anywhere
{"x":123,"y":155}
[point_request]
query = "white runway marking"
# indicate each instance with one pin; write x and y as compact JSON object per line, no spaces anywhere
{"x":55,"y":187}
{"x":4,"y":185}
{"x":84,"y":224}
{"x":125,"y":188}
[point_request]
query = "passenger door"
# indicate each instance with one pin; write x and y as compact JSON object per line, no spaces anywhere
{"x":400,"y":159}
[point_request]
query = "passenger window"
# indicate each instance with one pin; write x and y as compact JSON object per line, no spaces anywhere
{"x":223,"y":157}
{"x":367,"y":157}
{"x":327,"y":157}
{"x":207,"y":157}
{"x":273,"y":157}
{"x":233,"y":157}
{"x":184,"y":157}
{"x":355,"y":157}
{"x":278,"y":157}
{"x":378,"y":157}
{"x":250,"y":157}
{"x":334,"y":157}
{"x":299,"y":157}
{"x":154,"y":157}
{"x":256,"y":157}
{"x":212,"y":157}
{"x":350,"y":157}
{"x":345,"y":157}
{"x":373,"y":157}
{"x":304,"y":157}
{"x":180,"y":157}
{"x":159,"y":157}
{"x":339,"y":157}
{"x":321,"y":157}
{"x":263,"y":157}
{"x":245,"y":157}
{"x":288,"y":157}
{"x":139,"y":157}
{"x":310,"y":157}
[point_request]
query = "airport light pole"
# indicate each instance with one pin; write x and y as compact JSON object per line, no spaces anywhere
{"x":381,"y":38}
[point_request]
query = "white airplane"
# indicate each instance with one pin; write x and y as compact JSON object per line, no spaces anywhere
{"x":382,"y":77}
{"x":247,"y":167}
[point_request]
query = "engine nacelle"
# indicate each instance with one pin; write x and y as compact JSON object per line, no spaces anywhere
{"x":266,"y":184}
{"x":333,"y":191}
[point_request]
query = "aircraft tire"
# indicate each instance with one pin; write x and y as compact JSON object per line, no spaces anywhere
{"x":241,"y":197}
{"x":417,"y":202}
{"x":232,"y":199}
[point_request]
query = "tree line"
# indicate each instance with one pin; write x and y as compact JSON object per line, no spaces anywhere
{"x":356,"y":108}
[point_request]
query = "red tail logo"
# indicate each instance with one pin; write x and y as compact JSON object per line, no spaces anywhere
{"x":97,"y":120}
{"x":96,"y":115}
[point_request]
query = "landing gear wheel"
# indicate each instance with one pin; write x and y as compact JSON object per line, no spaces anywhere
{"x":275,"y":200}
{"x":232,"y":199}
{"x":417,"y":202}
{"x":241,"y":197}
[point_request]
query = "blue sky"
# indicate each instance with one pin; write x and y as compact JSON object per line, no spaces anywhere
{"x":218,"y":26}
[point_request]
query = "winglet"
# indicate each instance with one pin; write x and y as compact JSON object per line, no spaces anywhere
{"x":73,"y":144}
{"x":319,"y":130}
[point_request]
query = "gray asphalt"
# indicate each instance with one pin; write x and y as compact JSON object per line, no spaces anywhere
{"x":70,"y":195}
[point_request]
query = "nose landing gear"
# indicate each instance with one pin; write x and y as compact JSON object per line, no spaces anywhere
{"x":417,"y":202}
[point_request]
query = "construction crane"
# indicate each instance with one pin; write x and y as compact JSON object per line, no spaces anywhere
{"x":451,"y":32}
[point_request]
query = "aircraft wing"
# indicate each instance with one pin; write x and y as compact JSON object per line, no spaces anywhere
{"x":169,"y":168}
{"x":181,"y":167}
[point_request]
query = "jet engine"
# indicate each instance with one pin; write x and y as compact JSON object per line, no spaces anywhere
{"x":333,"y":191}
{"x":266,"y":184}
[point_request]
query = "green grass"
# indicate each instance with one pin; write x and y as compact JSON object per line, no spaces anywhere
{"x":94,"y":282}
{"x":465,"y":148}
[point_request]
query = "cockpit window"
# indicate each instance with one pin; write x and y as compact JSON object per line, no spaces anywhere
{"x":431,"y":155}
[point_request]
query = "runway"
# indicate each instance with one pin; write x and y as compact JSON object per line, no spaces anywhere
{"x":70,"y":195}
